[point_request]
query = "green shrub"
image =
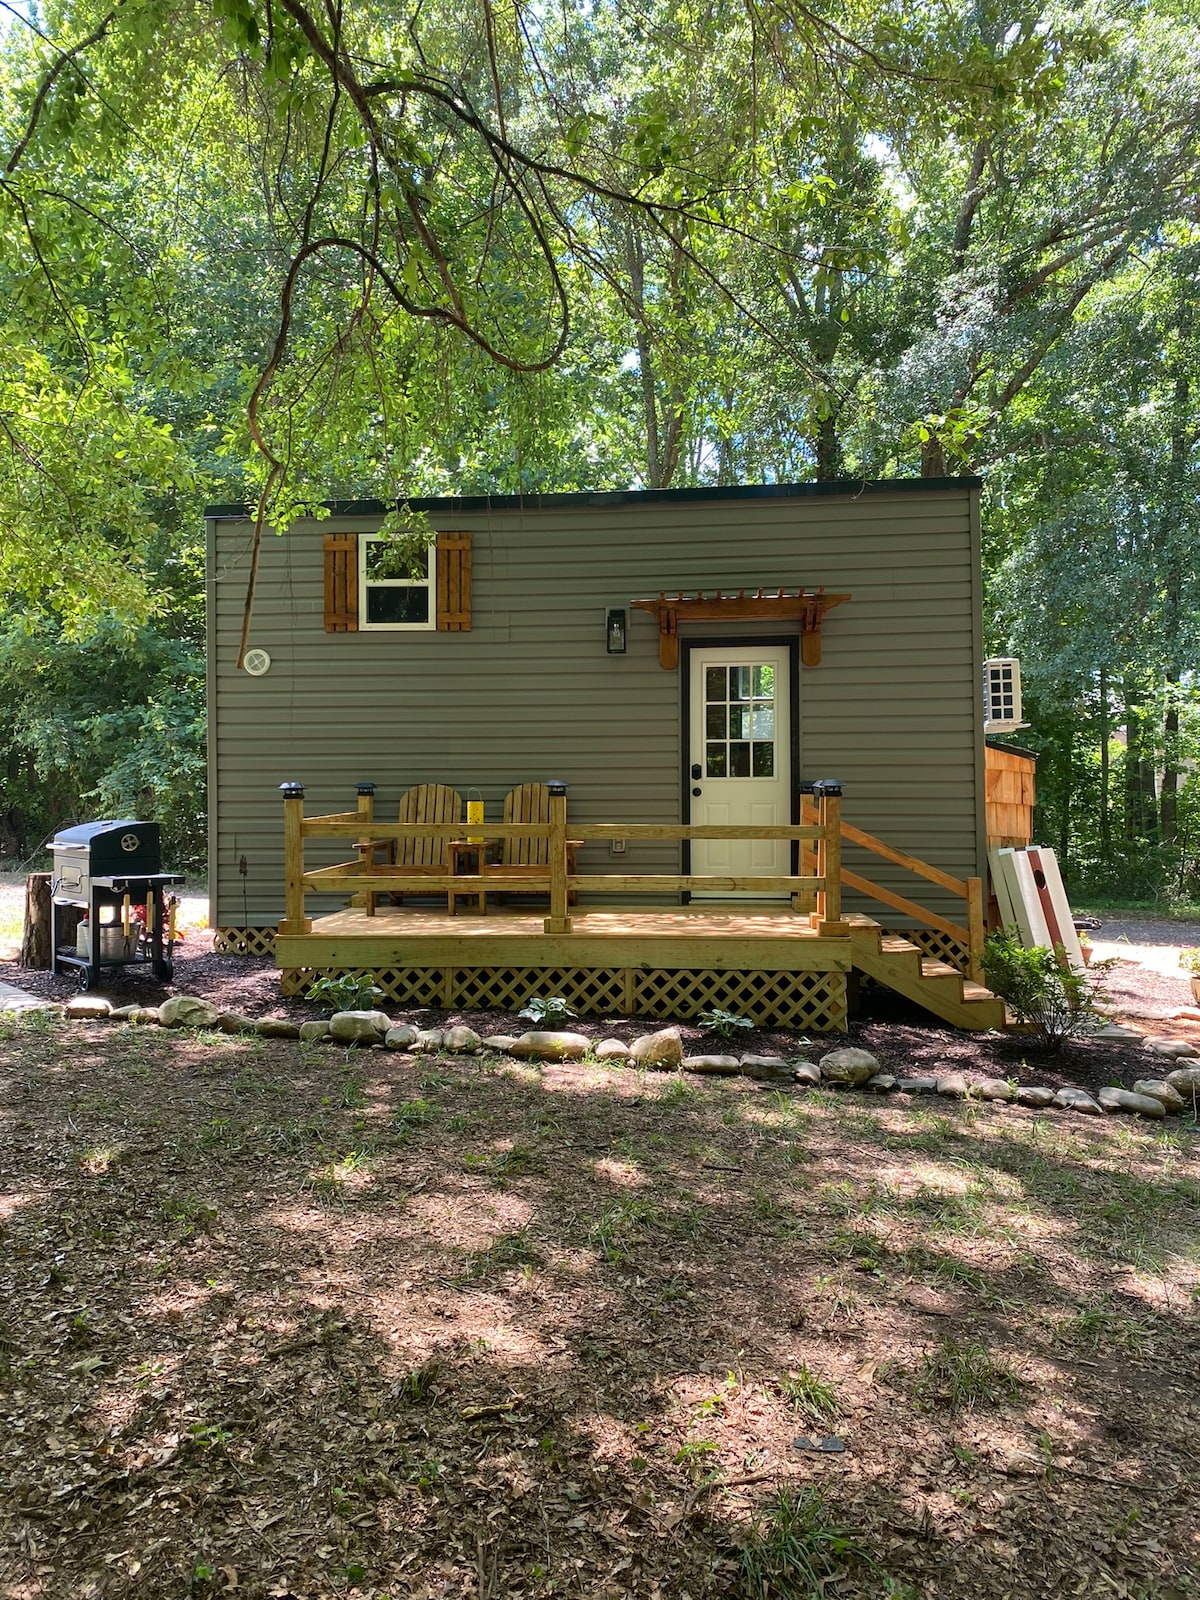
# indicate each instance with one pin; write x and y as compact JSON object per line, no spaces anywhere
{"x":349,"y":992}
{"x":1040,"y":988}
{"x":550,"y":1012}
{"x":723,"y":1023}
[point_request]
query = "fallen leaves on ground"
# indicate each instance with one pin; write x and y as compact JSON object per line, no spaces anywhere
{"x":267,"y":1332}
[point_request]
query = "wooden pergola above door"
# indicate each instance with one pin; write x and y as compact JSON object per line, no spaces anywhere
{"x":806,"y":606}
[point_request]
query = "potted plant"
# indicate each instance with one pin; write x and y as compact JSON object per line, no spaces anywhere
{"x":1085,"y":946}
{"x":1189,"y":960}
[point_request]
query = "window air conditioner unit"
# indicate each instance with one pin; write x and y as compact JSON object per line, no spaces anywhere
{"x":1002,"y":695}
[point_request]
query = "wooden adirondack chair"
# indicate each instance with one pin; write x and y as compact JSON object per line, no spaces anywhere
{"x":530,"y":802}
{"x":425,"y":802}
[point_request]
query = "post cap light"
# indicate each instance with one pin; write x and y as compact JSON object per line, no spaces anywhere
{"x":365,"y":788}
{"x":616,"y":629}
{"x":292,"y":791}
{"x":555,"y":786}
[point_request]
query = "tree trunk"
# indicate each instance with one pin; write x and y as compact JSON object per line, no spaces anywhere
{"x":1068,"y":800}
{"x":1105,"y":772}
{"x":1140,"y":799}
{"x":933,"y":457}
{"x":1168,"y":800}
{"x":829,"y":463}
{"x":35,"y":942}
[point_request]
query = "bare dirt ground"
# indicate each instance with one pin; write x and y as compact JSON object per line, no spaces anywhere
{"x":292,"y":1321}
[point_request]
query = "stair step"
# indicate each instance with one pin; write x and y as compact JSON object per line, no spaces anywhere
{"x":937,"y":985}
{"x":932,"y":968}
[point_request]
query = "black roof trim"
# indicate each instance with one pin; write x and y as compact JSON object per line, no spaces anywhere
{"x":994,"y":743}
{"x":550,"y":502}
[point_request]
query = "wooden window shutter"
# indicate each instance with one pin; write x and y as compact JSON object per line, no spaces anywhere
{"x":341,"y":583}
{"x":454,"y":582}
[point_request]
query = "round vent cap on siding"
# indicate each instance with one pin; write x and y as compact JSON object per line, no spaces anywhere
{"x":257,"y":662}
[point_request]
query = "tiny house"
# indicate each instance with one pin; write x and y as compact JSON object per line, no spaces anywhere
{"x":681,"y":661}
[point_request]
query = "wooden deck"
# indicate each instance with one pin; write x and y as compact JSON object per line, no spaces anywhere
{"x":774,"y":936}
{"x":773,"y":961}
{"x":763,"y":961}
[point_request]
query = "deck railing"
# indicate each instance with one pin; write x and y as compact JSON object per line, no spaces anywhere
{"x":970,"y":933}
{"x":820,"y":833}
{"x":821,"y":887}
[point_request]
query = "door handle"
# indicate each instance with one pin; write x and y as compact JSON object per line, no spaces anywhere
{"x":697,"y":792}
{"x":696,"y":773}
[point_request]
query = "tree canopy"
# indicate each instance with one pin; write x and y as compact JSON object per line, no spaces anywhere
{"x":287,"y":252}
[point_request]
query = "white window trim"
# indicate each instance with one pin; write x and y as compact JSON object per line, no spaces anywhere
{"x":365,"y":584}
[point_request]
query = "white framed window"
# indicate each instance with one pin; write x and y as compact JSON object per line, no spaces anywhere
{"x":395,"y":592}
{"x":1002,"y":695}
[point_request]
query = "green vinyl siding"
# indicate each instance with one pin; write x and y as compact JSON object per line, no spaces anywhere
{"x":530,"y":692}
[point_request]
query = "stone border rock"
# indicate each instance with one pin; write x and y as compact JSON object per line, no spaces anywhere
{"x":845,"y":1068}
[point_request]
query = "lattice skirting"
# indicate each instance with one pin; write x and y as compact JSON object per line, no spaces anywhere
{"x":941,"y":947}
{"x":244,"y":941}
{"x":815,"y":1001}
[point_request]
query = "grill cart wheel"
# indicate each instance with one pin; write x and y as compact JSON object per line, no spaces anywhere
{"x":85,"y":979}
{"x":164,"y":971}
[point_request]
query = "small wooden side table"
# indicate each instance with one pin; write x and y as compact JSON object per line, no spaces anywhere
{"x":467,"y":855}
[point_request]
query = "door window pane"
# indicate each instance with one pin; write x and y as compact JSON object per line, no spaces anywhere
{"x":739,"y":722}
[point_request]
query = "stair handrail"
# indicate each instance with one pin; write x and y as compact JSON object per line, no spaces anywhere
{"x":971,"y":933}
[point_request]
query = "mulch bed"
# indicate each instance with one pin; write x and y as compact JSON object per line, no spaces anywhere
{"x":906,"y":1040}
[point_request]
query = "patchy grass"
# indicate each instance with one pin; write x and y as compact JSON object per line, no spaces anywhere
{"x":810,"y":1395}
{"x":797,"y":1549}
{"x":279,"y":1323}
{"x":963,"y":1376}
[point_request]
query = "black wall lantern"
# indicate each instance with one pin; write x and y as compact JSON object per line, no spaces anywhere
{"x":616,"y":629}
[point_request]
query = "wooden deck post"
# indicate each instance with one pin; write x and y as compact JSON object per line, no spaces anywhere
{"x":294,"y":920}
{"x":829,"y":801}
{"x":809,"y":859}
{"x":366,"y":852}
{"x":975,"y":929}
{"x":558,"y":921}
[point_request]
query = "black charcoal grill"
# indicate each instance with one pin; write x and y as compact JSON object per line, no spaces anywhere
{"x":113,"y":871}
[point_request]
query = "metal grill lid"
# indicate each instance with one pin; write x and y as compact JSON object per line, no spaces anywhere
{"x":86,"y":832}
{"x":111,"y":846}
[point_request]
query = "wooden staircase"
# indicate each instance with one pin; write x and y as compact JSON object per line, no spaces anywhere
{"x":901,"y":965}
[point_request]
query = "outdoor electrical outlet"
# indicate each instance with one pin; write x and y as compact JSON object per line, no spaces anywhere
{"x":617,"y":846}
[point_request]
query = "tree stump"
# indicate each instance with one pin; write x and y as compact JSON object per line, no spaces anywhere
{"x":35,"y":941}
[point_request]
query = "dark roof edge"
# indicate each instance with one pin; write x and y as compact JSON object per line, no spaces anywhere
{"x":993,"y":743}
{"x":549,"y":502}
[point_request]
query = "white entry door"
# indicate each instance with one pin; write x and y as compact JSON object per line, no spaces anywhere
{"x":739,"y":761}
